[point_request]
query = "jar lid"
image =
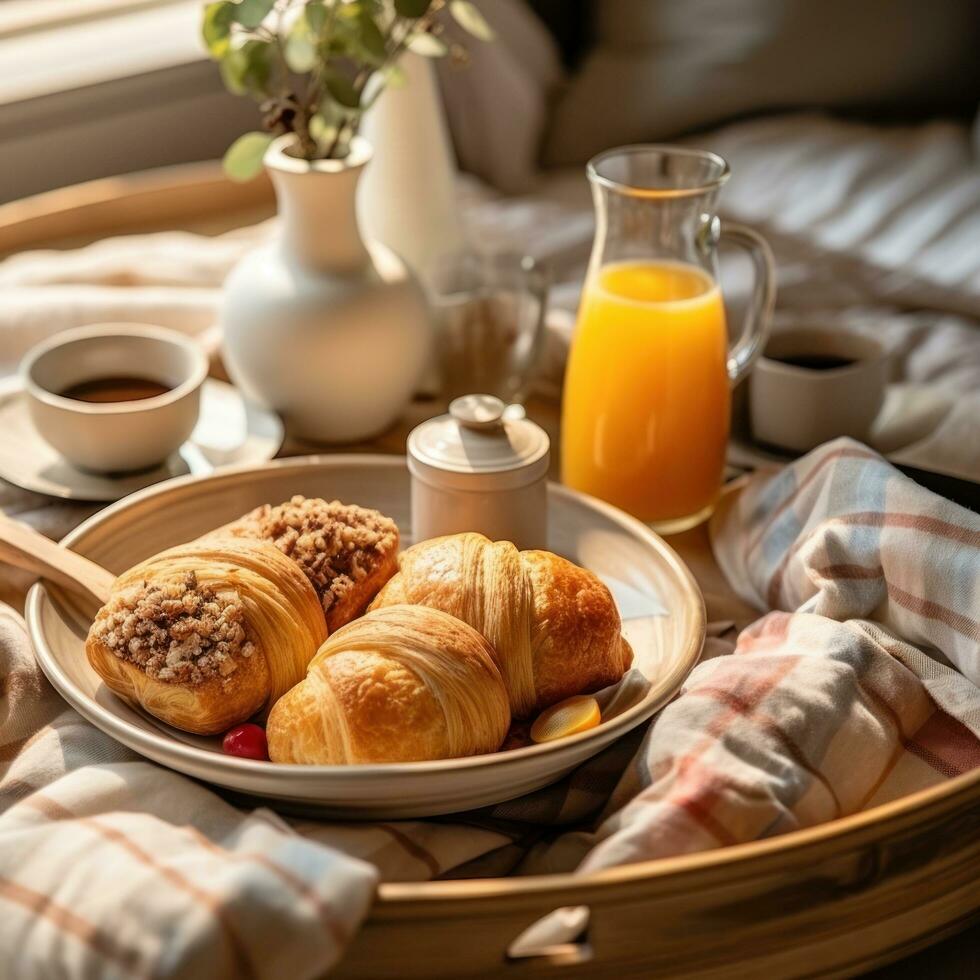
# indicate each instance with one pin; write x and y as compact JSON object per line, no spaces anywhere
{"x":480,"y":445}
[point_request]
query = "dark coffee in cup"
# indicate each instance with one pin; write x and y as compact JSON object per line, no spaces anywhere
{"x":101,"y":391}
{"x":815,"y":362}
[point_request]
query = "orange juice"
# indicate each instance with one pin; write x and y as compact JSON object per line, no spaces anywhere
{"x":646,"y":400}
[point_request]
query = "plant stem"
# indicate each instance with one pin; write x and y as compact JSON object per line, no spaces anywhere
{"x":335,"y":142}
{"x":301,"y":121}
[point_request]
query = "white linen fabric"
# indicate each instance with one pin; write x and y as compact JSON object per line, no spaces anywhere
{"x":113,"y":867}
{"x":857,"y":687}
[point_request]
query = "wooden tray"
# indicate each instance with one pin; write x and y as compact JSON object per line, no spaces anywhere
{"x":831,"y":901}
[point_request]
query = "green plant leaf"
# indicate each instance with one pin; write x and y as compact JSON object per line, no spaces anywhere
{"x":321,"y":130}
{"x":233,"y":67}
{"x":342,"y":38}
{"x":216,"y":27}
{"x":247,"y":68}
{"x":412,"y":8}
{"x":243,"y":159}
{"x":428,"y":45}
{"x":251,"y":13}
{"x":331,"y":113}
{"x":316,"y":16}
{"x":300,"y":47}
{"x":469,"y":17}
{"x":342,"y":90}
{"x":372,"y":40}
{"x":300,"y":52}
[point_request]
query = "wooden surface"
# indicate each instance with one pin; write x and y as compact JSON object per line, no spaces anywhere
{"x":23,"y":547}
{"x":833,"y":900}
{"x":191,"y":197}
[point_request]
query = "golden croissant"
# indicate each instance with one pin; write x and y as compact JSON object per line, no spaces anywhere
{"x":401,"y":684}
{"x":554,"y":626}
{"x":206,"y":634}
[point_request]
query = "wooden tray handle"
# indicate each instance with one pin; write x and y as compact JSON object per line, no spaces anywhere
{"x":25,"y":548}
{"x":567,"y":944}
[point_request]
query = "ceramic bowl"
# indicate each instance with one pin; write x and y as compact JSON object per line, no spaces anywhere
{"x":798,"y":408}
{"x":115,"y":437}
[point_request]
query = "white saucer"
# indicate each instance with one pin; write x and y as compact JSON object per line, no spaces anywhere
{"x":230,"y":430}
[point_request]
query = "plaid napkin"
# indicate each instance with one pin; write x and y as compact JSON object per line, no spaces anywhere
{"x":112,"y":867}
{"x":857,"y":688}
{"x":860,"y":686}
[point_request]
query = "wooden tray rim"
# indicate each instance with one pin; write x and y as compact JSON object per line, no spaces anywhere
{"x":665,"y":874}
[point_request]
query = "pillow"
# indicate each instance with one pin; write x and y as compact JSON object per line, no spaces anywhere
{"x":664,"y":67}
{"x":497,"y":104}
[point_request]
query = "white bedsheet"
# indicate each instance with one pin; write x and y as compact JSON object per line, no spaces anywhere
{"x":873,"y":229}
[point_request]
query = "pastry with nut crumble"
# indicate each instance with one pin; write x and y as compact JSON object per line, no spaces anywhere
{"x":207,"y":634}
{"x":347,"y":552}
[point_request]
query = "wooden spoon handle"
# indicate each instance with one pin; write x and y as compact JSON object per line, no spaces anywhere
{"x":25,"y":548}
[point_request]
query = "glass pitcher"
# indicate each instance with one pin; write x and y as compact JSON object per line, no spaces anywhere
{"x":647,"y":394}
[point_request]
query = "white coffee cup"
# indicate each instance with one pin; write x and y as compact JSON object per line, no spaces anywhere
{"x":798,"y":407}
{"x":117,"y":436}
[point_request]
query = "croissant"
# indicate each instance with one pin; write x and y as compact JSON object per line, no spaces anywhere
{"x":402,"y":684}
{"x":553,"y":626}
{"x":347,"y":552}
{"x":206,"y":634}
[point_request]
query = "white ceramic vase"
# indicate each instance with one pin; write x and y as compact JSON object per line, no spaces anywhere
{"x":330,"y":331}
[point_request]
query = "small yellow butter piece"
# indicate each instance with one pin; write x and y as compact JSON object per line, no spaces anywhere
{"x":568,"y":717}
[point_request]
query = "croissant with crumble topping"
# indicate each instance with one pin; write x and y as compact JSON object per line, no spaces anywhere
{"x":347,"y":552}
{"x":206,"y":634}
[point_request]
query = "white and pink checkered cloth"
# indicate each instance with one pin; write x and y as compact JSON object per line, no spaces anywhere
{"x":859,"y":686}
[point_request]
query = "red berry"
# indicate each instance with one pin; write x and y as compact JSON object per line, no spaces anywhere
{"x":248,"y":741}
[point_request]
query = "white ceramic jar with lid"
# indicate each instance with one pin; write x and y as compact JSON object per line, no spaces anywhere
{"x":478,"y":469}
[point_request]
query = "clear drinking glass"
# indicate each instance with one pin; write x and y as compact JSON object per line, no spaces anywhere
{"x":647,"y":397}
{"x":489,"y":313}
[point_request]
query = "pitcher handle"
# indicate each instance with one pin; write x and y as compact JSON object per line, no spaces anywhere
{"x":758,"y":319}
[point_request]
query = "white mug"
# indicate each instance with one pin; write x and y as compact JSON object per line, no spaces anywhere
{"x":797,"y":407}
{"x":115,"y":437}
